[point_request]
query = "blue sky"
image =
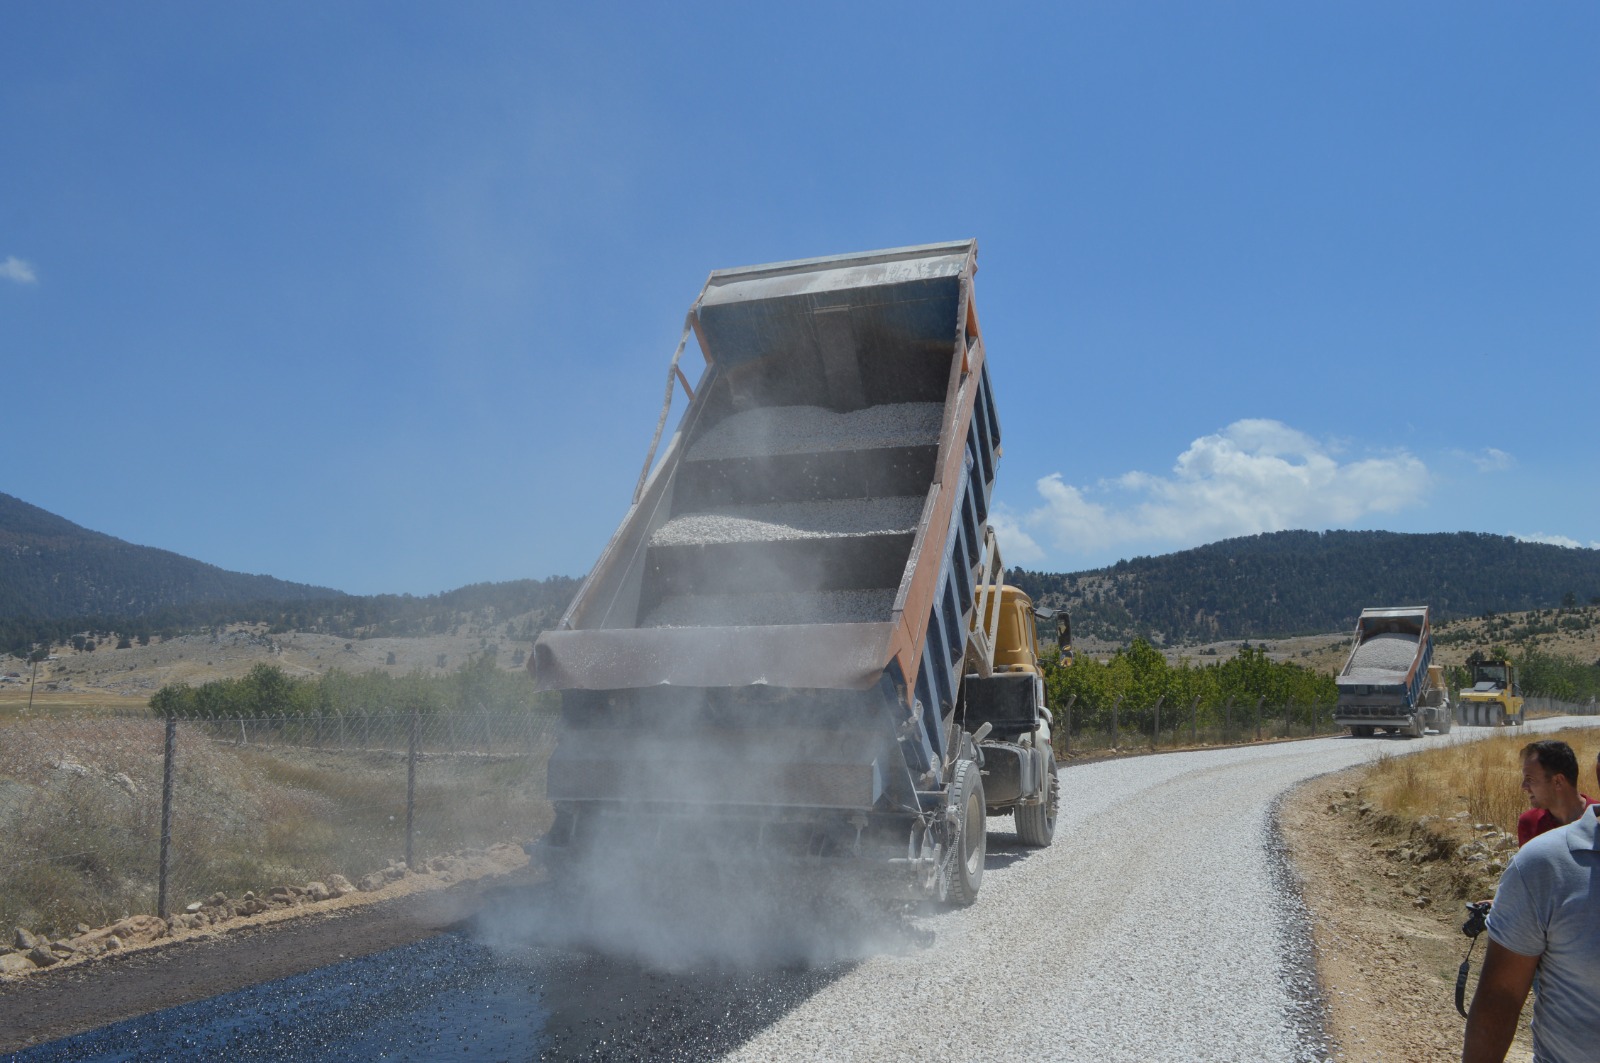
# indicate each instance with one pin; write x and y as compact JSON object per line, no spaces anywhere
{"x":379,"y":296}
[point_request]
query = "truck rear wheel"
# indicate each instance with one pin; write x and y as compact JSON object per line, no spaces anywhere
{"x":1418,"y":726}
{"x":965,"y":874}
{"x":1036,"y":824}
{"x":1447,"y":719}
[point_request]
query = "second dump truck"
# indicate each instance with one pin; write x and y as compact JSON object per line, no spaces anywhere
{"x":1389,"y":682}
{"x":788,"y":647}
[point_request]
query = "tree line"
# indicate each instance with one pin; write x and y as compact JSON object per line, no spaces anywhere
{"x":267,"y":690}
{"x":1134,"y":680}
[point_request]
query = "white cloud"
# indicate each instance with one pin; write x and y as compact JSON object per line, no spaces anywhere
{"x":14,"y":269}
{"x":1491,"y":459}
{"x":1254,"y":476}
{"x":1017,"y":547}
{"x":1554,"y":540}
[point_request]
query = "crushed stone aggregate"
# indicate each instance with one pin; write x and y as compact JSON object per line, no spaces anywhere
{"x":776,"y":607}
{"x":771,"y":430}
{"x":777,"y":521}
{"x":1380,"y":658}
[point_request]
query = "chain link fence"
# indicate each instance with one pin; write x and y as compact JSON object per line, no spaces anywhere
{"x":105,"y":817}
{"x":1118,"y":726}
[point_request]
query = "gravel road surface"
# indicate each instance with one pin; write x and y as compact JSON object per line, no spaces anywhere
{"x":1164,"y":924}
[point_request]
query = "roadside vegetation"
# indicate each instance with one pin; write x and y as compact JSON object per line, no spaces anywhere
{"x":1133,"y":682}
{"x":480,"y":686}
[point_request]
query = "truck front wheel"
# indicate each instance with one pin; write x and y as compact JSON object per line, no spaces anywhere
{"x":965,"y":869}
{"x":1036,"y":824}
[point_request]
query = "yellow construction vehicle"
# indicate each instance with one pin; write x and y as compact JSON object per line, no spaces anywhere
{"x":1495,"y":697}
{"x":1005,"y":704}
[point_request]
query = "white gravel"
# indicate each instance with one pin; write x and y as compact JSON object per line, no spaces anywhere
{"x":759,"y":610}
{"x":814,"y":429}
{"x":1160,"y":926}
{"x":1378,"y":659}
{"x":773,"y":521}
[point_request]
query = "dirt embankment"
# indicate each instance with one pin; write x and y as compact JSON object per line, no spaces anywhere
{"x":1387,"y":903}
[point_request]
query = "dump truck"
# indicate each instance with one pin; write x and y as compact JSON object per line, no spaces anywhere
{"x":1495,"y":697}
{"x":1389,"y":682}
{"x":787,"y":648}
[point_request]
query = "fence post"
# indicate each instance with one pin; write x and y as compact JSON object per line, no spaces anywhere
{"x":1194,"y":721}
{"x":162,"y":908}
{"x":1262,"y":700}
{"x":1288,"y":719}
{"x":411,"y":788}
{"x":1115,"y":737}
{"x":1155,"y":726}
{"x":1227,"y":720}
{"x":1066,"y":712}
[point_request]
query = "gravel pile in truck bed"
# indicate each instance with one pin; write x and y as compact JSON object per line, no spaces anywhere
{"x":1378,"y":659}
{"x":772,"y":521}
{"x":761,"y":610}
{"x":814,"y":429}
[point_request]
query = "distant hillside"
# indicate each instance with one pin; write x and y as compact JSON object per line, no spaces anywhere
{"x":58,"y":579}
{"x":1301,"y":582}
{"x":51,"y":568}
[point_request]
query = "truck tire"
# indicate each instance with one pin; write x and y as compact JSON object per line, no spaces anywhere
{"x":1036,"y":824}
{"x":1447,"y":719}
{"x":960,"y":886}
{"x":1418,"y":727}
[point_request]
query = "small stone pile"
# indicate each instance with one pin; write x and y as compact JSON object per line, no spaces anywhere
{"x":28,"y":952}
{"x":220,"y":908}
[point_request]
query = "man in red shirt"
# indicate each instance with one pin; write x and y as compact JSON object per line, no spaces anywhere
{"x":1550,"y":779}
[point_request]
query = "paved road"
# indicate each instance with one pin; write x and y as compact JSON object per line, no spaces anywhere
{"x":1160,"y":926}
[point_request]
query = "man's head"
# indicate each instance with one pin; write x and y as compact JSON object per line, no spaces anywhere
{"x":1549,"y":773}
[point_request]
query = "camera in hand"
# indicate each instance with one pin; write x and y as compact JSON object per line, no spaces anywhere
{"x":1477,"y":914}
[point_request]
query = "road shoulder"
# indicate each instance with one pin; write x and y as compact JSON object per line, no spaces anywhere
{"x":1386,"y":947}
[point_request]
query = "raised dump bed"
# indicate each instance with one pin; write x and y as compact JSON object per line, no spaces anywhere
{"x":1389,"y":683}
{"x":780,"y":627}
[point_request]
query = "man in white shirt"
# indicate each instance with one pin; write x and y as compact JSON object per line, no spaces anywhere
{"x":1544,"y":932}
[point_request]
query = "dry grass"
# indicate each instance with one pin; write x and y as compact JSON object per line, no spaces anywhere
{"x":80,"y":809}
{"x":1482,"y":779}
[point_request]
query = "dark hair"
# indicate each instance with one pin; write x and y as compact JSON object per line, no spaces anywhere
{"x":1556,"y":758}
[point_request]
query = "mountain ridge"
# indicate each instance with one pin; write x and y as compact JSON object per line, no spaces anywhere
{"x":51,"y":568}
{"x":1286,"y":583}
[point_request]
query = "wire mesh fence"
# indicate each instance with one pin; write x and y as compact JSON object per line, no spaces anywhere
{"x":1118,"y":725}
{"x":105,"y":817}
